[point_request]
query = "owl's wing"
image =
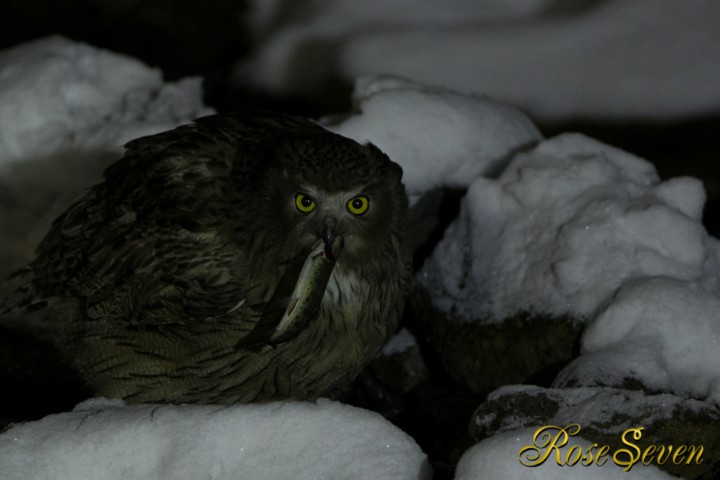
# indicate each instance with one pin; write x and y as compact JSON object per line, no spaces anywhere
{"x":138,"y":279}
{"x":150,"y":246}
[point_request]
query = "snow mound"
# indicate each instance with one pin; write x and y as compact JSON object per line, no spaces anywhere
{"x":497,"y":458}
{"x":661,"y":331}
{"x":561,"y":229}
{"x":616,"y":59}
{"x":59,"y":94}
{"x":439,"y":137}
{"x":275,"y":441}
{"x":66,"y":109}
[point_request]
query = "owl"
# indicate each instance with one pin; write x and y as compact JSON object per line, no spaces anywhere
{"x":242,"y":258}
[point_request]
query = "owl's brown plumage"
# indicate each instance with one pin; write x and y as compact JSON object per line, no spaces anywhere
{"x":167,"y":282}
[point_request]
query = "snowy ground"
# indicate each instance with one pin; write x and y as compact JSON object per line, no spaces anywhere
{"x":558,"y":60}
{"x":106,"y":440}
{"x":570,"y":226}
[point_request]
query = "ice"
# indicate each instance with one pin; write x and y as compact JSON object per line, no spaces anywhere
{"x":273,"y":441}
{"x":562,"y":228}
{"x":441,"y":138}
{"x":615,"y":59}
{"x":497,"y":458}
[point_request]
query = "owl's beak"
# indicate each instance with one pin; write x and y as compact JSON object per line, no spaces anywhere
{"x":333,"y":243}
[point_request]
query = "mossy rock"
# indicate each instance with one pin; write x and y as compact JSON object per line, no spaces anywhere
{"x":483,"y":355}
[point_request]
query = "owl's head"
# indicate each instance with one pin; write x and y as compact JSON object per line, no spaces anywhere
{"x":325,"y":187}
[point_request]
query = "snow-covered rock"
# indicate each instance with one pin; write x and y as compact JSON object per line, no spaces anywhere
{"x":660,"y":331}
{"x":561,"y":229}
{"x":66,"y":109}
{"x":570,"y":231}
{"x":57,"y":94}
{"x":105,"y":439}
{"x":604,"y":410}
{"x":441,"y":138}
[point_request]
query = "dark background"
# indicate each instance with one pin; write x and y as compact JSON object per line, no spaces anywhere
{"x":191,"y":38}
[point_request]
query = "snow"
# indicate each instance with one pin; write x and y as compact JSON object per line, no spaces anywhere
{"x":105,"y":439}
{"x":561,"y":229}
{"x":57,"y":94}
{"x":498,"y":458}
{"x":659,"y":330}
{"x":70,"y":104}
{"x":439,"y":137}
{"x":614,"y":59}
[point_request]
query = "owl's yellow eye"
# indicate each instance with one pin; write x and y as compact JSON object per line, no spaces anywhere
{"x":358,"y":205}
{"x":304,"y":204}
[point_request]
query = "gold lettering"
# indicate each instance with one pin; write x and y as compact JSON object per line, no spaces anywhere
{"x":692,"y":449}
{"x":550,"y":439}
{"x":574,"y":450}
{"x":537,"y":453}
{"x":631,"y":459}
{"x":649,"y":451}
{"x":679,"y":452}
{"x":588,"y":460}
{"x":662,"y":456}
{"x":602,"y":455}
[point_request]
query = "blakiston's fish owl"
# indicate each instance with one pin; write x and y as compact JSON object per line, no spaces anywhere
{"x":240,"y":258}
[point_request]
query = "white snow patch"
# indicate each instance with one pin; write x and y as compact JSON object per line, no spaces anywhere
{"x":66,"y":109}
{"x":615,"y":59}
{"x":662,"y":331}
{"x":561,"y":229}
{"x":272,"y":441}
{"x":496,"y":458}
{"x":440,"y":138}
{"x":57,"y":94}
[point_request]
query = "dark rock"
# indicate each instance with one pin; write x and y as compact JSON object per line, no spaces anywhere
{"x":482,"y":355}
